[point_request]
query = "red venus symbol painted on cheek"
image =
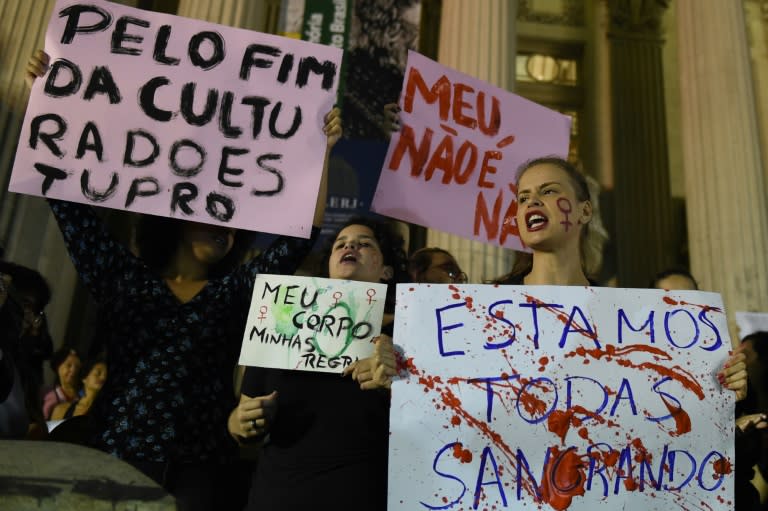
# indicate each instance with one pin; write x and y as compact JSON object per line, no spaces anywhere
{"x":371,"y":293}
{"x":263,"y":310}
{"x":564,"y":205}
{"x":336,"y":297}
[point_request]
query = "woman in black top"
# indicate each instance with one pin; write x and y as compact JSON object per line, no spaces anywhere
{"x":327,"y":441}
{"x":175,"y":323}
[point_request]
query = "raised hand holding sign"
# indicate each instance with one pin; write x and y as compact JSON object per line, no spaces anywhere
{"x":216,"y":124}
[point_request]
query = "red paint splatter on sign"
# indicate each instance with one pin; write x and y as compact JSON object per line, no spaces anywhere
{"x":461,"y":454}
{"x":564,"y":478}
{"x":559,"y":422}
{"x":723,"y":467}
{"x":610,"y":353}
{"x":681,"y":417}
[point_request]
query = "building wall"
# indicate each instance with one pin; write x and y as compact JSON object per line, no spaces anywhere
{"x":29,"y":235}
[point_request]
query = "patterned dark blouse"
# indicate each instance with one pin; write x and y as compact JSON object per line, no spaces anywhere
{"x":169,"y":390}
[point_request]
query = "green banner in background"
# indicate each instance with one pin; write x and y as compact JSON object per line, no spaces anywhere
{"x":327,"y":22}
{"x":376,"y":36}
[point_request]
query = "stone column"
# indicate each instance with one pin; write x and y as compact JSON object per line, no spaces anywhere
{"x":259,"y":15}
{"x":725,"y":183}
{"x":597,"y":84}
{"x":478,"y":38}
{"x":756,"y":12}
{"x":22,"y":27}
{"x":640,"y":161}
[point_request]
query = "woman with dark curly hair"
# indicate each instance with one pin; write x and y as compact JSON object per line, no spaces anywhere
{"x":326,"y":436}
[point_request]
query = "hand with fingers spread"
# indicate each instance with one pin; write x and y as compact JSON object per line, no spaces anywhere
{"x":253,"y":417}
{"x":733,"y":375}
{"x":376,"y":371}
{"x":391,"y":118}
{"x":36,"y":67}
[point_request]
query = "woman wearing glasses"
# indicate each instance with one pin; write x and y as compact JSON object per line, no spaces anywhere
{"x":435,"y":266}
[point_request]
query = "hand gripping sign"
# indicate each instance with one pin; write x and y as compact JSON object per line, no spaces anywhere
{"x":452,"y":165}
{"x":160,"y":114}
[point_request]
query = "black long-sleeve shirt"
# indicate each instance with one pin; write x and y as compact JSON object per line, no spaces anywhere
{"x":169,"y":390}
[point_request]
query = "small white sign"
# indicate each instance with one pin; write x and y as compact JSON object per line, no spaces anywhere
{"x":311,"y":324}
{"x":751,"y":322}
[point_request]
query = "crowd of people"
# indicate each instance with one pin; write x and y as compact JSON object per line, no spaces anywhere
{"x":163,"y":396}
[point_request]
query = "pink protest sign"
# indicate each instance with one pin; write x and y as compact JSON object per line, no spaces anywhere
{"x":164,"y":115}
{"x":452,"y":165}
{"x":555,"y":398}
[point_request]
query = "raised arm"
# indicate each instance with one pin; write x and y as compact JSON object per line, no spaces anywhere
{"x":391,"y":119}
{"x":333,"y":131}
{"x":286,"y":254}
{"x":36,"y":66}
{"x":100,"y":260}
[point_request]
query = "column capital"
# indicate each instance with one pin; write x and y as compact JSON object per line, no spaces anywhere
{"x":637,"y":18}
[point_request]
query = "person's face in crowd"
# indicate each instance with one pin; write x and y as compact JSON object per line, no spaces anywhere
{"x":68,"y":370}
{"x":33,"y":315}
{"x":676,"y":282}
{"x":356,"y":256}
{"x":209,"y":243}
{"x":549,"y":214}
{"x":443,"y":269}
{"x":96,"y":377}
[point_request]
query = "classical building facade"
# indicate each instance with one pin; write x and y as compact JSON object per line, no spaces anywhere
{"x":669,"y":99}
